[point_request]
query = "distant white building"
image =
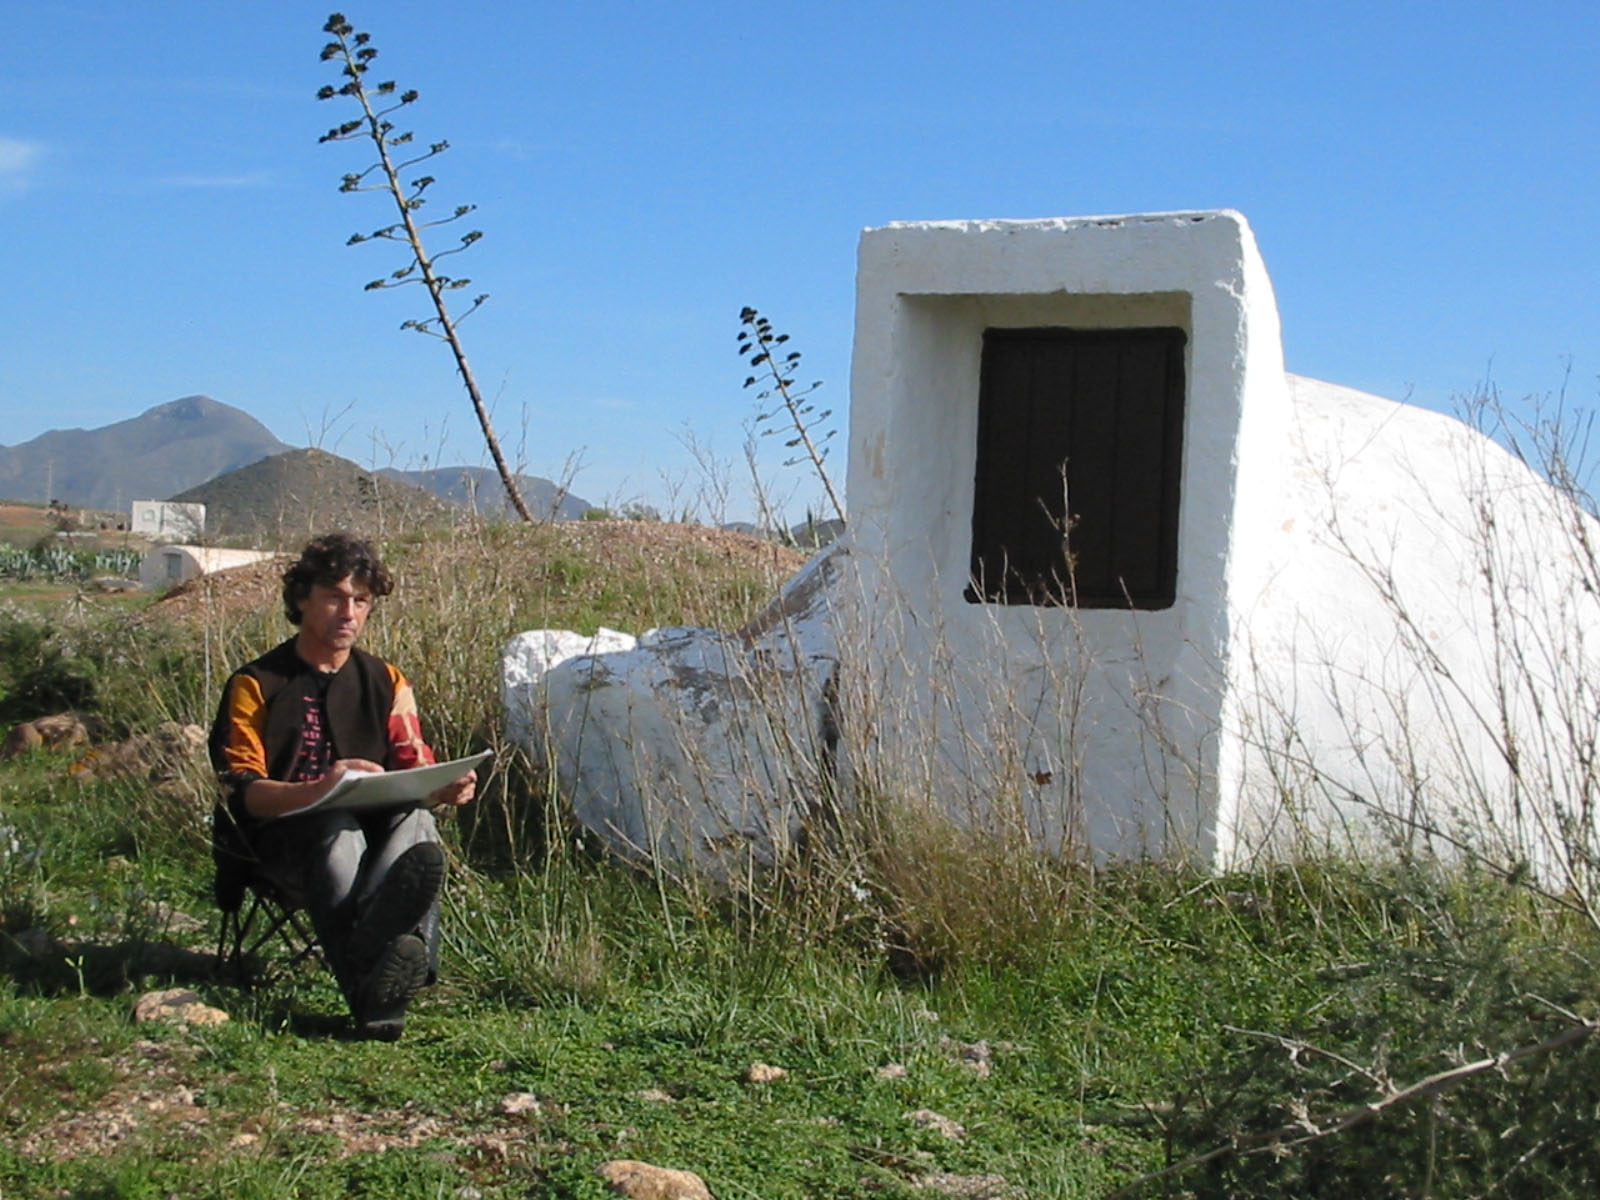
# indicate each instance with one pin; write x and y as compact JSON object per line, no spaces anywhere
{"x":167,"y":521}
{"x":168,"y":566}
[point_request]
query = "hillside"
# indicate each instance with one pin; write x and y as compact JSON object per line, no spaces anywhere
{"x":583,"y":561}
{"x":479,"y":489}
{"x":163,"y":450}
{"x":286,"y":498}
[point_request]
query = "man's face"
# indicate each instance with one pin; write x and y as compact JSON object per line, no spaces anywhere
{"x":335,"y":614}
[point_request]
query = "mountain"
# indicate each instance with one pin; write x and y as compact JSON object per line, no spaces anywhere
{"x":284,"y":499}
{"x":480,"y":488}
{"x":161,"y":451}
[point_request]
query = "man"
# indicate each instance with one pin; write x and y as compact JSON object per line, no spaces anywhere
{"x":290,"y":726}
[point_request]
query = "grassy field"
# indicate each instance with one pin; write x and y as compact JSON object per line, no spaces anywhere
{"x":1061,"y":1036}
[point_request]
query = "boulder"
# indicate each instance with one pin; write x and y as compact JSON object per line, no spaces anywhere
{"x":158,"y":755}
{"x":56,"y":732}
{"x":688,"y":747}
{"x":21,"y":739}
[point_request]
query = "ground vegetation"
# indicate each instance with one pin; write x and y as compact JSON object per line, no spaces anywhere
{"x":907,"y":1008}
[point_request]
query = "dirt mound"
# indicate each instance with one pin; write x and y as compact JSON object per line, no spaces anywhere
{"x":251,"y":588}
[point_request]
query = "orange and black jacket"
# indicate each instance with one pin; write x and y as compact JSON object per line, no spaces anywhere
{"x":371,"y":710}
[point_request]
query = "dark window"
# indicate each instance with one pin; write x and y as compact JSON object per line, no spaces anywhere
{"x":1088,"y":421}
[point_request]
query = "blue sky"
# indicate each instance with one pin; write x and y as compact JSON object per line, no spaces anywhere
{"x":1421,"y":179}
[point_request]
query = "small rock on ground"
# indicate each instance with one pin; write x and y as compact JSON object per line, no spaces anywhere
{"x":763,"y":1073}
{"x":642,"y":1181}
{"x":59,"y":731}
{"x":517,"y":1103}
{"x":975,"y":1056}
{"x":970,"y":1187}
{"x":179,"y":1006}
{"x":943,"y":1126}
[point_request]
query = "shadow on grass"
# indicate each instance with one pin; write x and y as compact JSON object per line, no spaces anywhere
{"x":47,"y":967}
{"x":108,"y":971}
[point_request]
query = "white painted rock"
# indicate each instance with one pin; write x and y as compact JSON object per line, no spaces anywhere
{"x":688,"y":747}
{"x":526,"y":659}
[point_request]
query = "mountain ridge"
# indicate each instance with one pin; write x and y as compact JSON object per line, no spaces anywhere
{"x":163,"y":450}
{"x":175,"y":449}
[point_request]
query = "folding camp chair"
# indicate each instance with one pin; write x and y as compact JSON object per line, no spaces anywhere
{"x":255,"y":907}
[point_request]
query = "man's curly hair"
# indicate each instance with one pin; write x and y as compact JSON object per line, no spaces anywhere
{"x":327,"y":560}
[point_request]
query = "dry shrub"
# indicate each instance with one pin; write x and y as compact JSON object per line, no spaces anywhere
{"x":947,"y":891}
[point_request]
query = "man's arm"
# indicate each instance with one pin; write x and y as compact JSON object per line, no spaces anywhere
{"x":407,"y":749}
{"x":404,"y":727}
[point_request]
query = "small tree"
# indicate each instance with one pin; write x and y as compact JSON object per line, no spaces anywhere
{"x":759,"y":341}
{"x":355,"y":52}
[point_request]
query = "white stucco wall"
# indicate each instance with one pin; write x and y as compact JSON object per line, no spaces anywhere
{"x":1102,"y":723}
{"x":166,"y":566}
{"x":166,"y":519}
{"x":1419,"y":654}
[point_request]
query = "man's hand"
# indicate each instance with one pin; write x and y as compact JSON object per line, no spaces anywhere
{"x":342,"y":768}
{"x":271,"y":798}
{"x":458,"y":793}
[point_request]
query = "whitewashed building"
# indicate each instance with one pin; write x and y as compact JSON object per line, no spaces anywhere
{"x":1112,"y":573}
{"x":168,"y":566}
{"x":167,"y":520}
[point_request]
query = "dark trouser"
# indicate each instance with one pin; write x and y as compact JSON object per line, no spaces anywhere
{"x":335,"y":861}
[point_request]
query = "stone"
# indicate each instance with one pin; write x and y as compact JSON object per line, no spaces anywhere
{"x":892,"y":1071}
{"x":763,"y":1073}
{"x":160,"y":754}
{"x":527,"y":660}
{"x":21,"y":739}
{"x":688,"y":747}
{"x":926,"y":1118}
{"x":977,"y":1057}
{"x":177,"y":1006}
{"x":517,"y":1104}
{"x":970,"y":1187}
{"x":642,"y":1181}
{"x":62,"y":731}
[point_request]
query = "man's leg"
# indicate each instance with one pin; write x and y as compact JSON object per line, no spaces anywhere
{"x":390,"y":834}
{"x":318,"y":858}
{"x":397,"y":900}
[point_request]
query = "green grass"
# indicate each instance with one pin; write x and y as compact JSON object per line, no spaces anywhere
{"x":1114,"y":1005}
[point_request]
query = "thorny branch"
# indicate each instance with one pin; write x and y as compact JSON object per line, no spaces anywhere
{"x":1303,"y":1130}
